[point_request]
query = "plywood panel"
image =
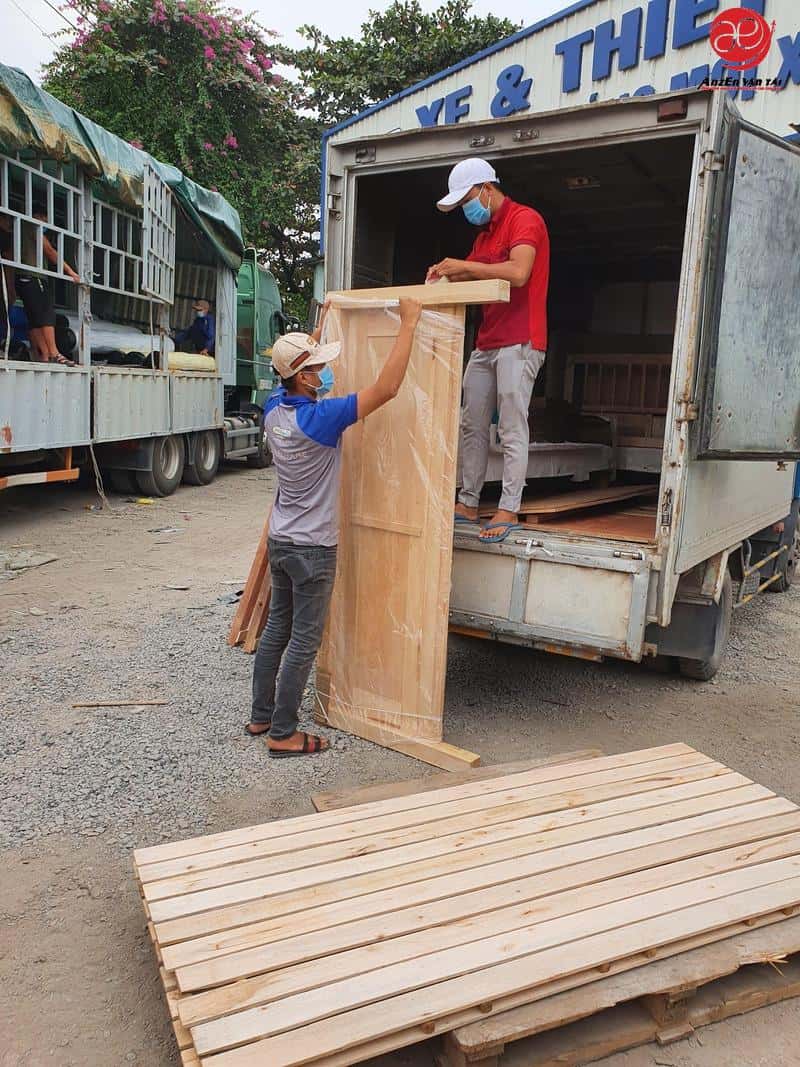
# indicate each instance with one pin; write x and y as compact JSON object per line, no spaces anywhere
{"x":382,"y":666}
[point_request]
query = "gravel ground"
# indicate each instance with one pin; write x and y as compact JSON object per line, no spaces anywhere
{"x":80,"y":787}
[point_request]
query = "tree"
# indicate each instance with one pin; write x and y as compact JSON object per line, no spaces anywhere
{"x":192,"y":82}
{"x":398,"y":47}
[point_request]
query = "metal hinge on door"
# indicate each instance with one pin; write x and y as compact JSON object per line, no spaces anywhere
{"x":712,"y":160}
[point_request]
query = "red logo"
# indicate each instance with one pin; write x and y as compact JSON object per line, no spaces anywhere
{"x":741,"y":37}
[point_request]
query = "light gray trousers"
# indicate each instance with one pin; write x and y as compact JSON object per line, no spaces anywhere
{"x":501,"y":380}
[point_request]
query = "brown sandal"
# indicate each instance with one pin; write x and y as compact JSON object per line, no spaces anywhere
{"x":311,"y":746}
{"x":257,"y":733}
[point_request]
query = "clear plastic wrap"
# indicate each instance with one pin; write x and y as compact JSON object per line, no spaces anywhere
{"x":381,"y":669}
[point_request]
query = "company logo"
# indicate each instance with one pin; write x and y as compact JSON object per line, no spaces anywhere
{"x":741,"y":38}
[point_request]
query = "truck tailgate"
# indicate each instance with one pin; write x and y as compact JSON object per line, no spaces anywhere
{"x":555,"y":593}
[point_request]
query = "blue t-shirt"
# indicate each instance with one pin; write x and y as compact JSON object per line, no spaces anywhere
{"x":305,"y":439}
{"x":201,"y":334}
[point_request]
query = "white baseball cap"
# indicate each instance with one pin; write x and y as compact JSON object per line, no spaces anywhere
{"x":295,"y":351}
{"x":462,"y":178}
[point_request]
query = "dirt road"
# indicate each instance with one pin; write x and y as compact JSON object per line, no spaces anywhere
{"x":136,"y":607}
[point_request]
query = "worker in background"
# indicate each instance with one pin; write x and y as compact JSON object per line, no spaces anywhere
{"x":513,"y":244}
{"x":200,"y":336}
{"x":34,"y":292}
{"x":305,"y":436}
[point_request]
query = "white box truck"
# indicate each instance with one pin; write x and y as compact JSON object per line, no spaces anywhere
{"x":673,"y":360}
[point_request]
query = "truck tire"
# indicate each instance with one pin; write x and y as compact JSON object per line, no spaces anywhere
{"x":207,"y":453}
{"x":703,"y":670}
{"x":262,"y":458}
{"x":787,"y":567}
{"x":163,"y":478}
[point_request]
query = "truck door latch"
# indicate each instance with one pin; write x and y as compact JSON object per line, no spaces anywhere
{"x":687,"y":412}
{"x":666,"y":508}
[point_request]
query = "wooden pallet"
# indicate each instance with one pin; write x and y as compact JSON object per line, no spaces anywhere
{"x":333,"y":937}
{"x":661,"y":1002}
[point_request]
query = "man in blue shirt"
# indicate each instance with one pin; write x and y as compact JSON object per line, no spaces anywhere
{"x":305,"y":436}
{"x":200,"y":336}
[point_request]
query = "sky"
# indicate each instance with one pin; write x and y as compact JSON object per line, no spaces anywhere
{"x":27,"y":24}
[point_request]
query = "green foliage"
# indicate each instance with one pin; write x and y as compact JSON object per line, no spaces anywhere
{"x":398,"y":47}
{"x":193,"y":82}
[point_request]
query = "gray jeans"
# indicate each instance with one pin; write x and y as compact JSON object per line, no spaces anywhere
{"x":501,"y":380}
{"x":302,"y":583}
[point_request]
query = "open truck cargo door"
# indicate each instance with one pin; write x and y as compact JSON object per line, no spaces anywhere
{"x":158,"y":238}
{"x":749,"y":376}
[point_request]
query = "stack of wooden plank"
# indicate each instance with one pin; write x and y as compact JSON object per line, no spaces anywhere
{"x":253,"y":608}
{"x":533,"y":508}
{"x":333,"y":937}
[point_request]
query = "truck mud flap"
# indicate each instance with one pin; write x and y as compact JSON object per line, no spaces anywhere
{"x":589,"y":600}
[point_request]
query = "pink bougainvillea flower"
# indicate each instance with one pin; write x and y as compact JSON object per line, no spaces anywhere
{"x":209,"y":52}
{"x":105,"y":28}
{"x":276,"y":79}
{"x":102,"y":6}
{"x":231,"y":142}
{"x":136,"y":144}
{"x":264,"y":62}
{"x":208,"y":146}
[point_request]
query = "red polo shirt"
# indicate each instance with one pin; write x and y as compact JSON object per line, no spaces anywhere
{"x":525,"y":317}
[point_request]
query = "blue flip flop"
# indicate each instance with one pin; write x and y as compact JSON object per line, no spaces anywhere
{"x":495,"y":539}
{"x":463,"y":519}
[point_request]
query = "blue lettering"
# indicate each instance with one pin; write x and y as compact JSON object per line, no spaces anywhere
{"x":655,"y":36}
{"x":626,"y":44}
{"x":572,"y":51}
{"x":428,"y":114}
{"x":687,"y":12}
{"x":790,"y":68}
{"x":454,"y":106}
{"x":513,"y":92}
{"x":645,"y":90}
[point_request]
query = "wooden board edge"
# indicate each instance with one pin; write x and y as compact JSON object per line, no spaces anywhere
{"x":333,"y":800}
{"x":693,"y":968}
{"x":492,"y":291}
{"x":437,"y":753}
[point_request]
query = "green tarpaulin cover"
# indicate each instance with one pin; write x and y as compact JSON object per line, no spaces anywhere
{"x":31,"y":119}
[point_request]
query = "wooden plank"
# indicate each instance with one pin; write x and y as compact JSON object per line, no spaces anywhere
{"x":258,"y":619}
{"x":453,"y":897}
{"x":352,"y":877}
{"x":456,"y":294}
{"x":379,"y":890}
{"x":508,"y":819}
{"x":272,"y":830}
{"x":343,"y":1014}
{"x":685,"y":971}
{"x":575,"y":500}
{"x":403,"y":828}
{"x":297,"y":976}
{"x":253,"y":585}
{"x":335,"y":799}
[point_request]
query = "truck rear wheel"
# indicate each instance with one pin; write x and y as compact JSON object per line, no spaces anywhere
{"x":164,"y":476}
{"x":207,"y":451}
{"x":262,"y":458}
{"x":703,"y":670}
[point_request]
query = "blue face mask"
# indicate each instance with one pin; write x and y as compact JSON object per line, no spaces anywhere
{"x":475,"y":212}
{"x":325,"y":381}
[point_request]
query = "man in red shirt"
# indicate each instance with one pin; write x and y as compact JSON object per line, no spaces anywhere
{"x":514,"y":245}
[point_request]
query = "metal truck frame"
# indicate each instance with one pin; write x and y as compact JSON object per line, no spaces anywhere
{"x":726,"y":522}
